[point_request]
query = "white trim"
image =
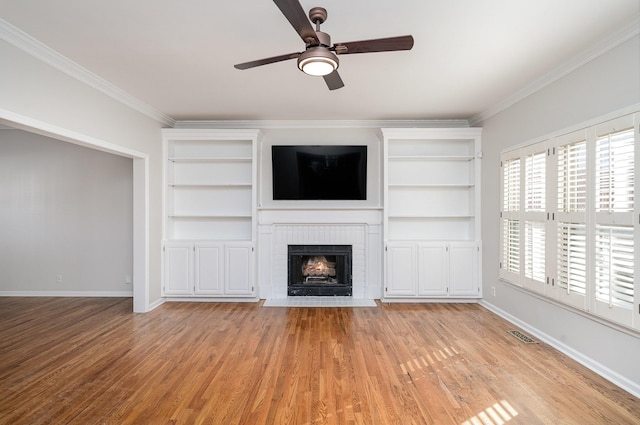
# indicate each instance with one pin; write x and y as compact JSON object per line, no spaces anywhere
{"x":318,"y":124}
{"x":89,"y":294}
{"x":42,"y":128}
{"x":588,"y":362}
{"x":627,"y":32}
{"x":157,"y":303}
{"x":425,"y":300}
{"x":191,"y":299}
{"x":629,"y":110}
{"x":35,"y":48}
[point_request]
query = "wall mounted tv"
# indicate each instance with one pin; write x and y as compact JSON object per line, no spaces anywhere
{"x":319,"y":172}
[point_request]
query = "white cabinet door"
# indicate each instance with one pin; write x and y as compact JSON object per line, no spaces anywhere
{"x":433,"y":267}
{"x":178,"y":269}
{"x":464,"y":269}
{"x":238,"y":269}
{"x":401,"y":270}
{"x":208,"y":269}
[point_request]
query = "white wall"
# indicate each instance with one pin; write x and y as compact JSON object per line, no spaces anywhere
{"x":36,"y":92}
{"x":609,"y":83}
{"x":65,"y":210}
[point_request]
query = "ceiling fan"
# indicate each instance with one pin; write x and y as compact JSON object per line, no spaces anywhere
{"x":319,"y":57}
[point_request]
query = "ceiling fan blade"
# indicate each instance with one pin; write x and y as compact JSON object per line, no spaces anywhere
{"x":333,"y":81}
{"x":390,"y":44}
{"x":266,"y":61}
{"x":292,"y":10}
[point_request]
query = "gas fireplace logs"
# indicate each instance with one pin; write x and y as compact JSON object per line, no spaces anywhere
{"x":318,"y":266}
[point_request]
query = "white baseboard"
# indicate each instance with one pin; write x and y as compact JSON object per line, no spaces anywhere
{"x":157,"y":303}
{"x":599,"y":368}
{"x":417,"y":300}
{"x":212,"y":299}
{"x":96,"y":294}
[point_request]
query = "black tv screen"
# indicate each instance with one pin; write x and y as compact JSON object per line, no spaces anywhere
{"x":324,"y":172}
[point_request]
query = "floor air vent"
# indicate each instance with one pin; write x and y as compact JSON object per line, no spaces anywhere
{"x":522,"y":337}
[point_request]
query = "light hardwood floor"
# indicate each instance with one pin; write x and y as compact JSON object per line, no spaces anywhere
{"x":93,"y":361}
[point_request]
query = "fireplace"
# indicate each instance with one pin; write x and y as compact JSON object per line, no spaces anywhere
{"x":320,"y":270}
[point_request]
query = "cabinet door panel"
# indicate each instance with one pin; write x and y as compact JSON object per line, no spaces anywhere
{"x":208,"y":270}
{"x":178,"y":265}
{"x":433,"y":278}
{"x":463,"y":269}
{"x":401,"y":271}
{"x":238,"y":270}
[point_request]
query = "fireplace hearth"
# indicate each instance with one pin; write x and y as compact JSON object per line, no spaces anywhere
{"x":319,"y":270}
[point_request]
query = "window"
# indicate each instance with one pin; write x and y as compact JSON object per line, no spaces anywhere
{"x":534,"y":217}
{"x":569,"y":221}
{"x":614,"y":266}
{"x":535,"y":182}
{"x":572,"y":258}
{"x":511,"y":246}
{"x":572,"y":177}
{"x":615,"y":172}
{"x":535,"y":250}
{"x":510,"y":213}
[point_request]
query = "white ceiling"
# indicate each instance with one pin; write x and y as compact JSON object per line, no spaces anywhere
{"x":177,"y":56}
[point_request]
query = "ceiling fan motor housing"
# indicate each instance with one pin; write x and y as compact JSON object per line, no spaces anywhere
{"x":317,"y":59}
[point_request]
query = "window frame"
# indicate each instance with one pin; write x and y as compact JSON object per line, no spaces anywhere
{"x":589,"y":217}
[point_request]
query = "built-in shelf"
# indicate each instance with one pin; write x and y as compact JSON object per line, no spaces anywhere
{"x":210,"y":212}
{"x":431,"y":213}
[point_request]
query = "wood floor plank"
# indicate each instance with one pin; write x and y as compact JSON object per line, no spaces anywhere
{"x":93,"y":361}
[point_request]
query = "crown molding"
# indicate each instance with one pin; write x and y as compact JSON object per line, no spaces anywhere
{"x":319,"y":124}
{"x":35,"y":48}
{"x":625,"y":33}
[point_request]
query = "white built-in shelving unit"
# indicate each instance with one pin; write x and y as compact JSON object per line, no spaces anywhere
{"x":210,"y":212}
{"x":432,"y":213}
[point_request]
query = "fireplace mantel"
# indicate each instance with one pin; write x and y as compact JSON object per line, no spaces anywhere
{"x":360,"y":228}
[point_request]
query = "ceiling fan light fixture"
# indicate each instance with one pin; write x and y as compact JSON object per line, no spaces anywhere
{"x":318,"y":61}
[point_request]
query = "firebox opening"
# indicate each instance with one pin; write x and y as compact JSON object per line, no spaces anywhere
{"x":319,"y":269}
{"x":322,"y":270}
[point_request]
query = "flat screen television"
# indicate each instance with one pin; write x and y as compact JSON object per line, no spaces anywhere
{"x":319,"y":172}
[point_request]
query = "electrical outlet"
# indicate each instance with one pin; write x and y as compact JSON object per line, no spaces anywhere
{"x":127,"y":280}
{"x":493,"y":291}
{"x":59,"y":278}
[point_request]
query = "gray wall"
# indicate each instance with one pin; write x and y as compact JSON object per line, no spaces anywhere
{"x":609,"y":83}
{"x":65,"y":210}
{"x":39,"y":95}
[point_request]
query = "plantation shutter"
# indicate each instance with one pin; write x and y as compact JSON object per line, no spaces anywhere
{"x":614,"y":259}
{"x":615,"y":172}
{"x":535,"y":174}
{"x":534,"y":213}
{"x":569,"y":221}
{"x":510,"y":216}
{"x":511,"y":185}
{"x":614,"y":193}
{"x":572,"y":177}
{"x":572,"y":258}
{"x":511,"y":246}
{"x":535,"y":250}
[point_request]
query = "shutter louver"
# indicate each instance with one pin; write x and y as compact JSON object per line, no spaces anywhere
{"x":511,"y":245}
{"x":572,"y":177}
{"x":535,"y":250}
{"x":535,"y":173}
{"x":511,"y":185}
{"x":615,"y":172}
{"x":572,"y":257}
{"x":614,"y":259}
